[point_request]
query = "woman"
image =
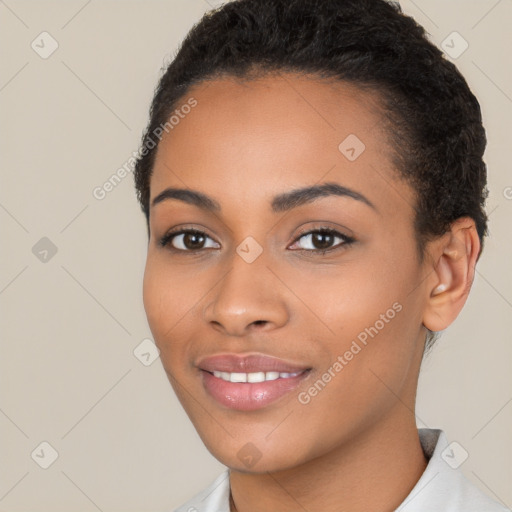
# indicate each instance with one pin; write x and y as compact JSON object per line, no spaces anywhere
{"x":313,"y":184}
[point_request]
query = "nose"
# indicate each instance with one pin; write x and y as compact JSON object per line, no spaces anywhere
{"x":248,"y":298}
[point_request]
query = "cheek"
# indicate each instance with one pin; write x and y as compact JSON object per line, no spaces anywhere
{"x":152,"y":290}
{"x":166,"y":299}
{"x":340,"y":302}
{"x":364,"y":313}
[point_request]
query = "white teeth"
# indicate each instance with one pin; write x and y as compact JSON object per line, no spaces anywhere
{"x":238,"y":377}
{"x":256,"y":377}
{"x":253,"y":377}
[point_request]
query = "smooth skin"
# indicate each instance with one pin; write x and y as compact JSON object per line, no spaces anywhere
{"x":354,"y":447}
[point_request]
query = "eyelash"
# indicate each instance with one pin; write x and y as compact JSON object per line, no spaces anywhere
{"x":347,"y":240}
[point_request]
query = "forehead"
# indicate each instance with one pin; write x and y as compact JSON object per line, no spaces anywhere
{"x":253,"y":139}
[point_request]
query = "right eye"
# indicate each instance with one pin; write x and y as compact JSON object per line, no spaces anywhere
{"x":185,"y":240}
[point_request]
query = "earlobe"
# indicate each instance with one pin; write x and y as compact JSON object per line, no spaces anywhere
{"x":454,"y":257}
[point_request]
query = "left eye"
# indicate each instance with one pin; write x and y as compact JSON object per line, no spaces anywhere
{"x":321,"y":240}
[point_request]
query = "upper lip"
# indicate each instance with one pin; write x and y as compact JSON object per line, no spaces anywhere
{"x":251,"y":363}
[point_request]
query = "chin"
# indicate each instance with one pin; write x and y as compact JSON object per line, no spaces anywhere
{"x":254,"y":457}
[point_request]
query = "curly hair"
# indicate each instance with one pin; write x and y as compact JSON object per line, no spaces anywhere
{"x":434,"y":120}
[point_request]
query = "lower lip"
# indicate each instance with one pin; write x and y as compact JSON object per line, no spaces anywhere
{"x":245,"y":396}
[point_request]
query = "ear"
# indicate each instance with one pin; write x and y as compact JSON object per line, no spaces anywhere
{"x":453,"y":260}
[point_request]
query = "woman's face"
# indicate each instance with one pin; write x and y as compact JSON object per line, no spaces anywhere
{"x":255,"y":282}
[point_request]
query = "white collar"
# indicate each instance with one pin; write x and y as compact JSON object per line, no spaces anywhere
{"x":442,"y":486}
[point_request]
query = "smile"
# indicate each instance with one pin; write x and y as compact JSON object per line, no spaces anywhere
{"x":253,"y":377}
{"x":251,"y":391}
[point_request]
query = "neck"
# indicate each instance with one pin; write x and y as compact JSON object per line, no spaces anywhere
{"x":376,"y":471}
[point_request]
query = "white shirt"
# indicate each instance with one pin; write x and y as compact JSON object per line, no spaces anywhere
{"x":441,"y":488}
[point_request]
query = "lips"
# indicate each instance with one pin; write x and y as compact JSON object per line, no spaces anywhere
{"x":242,"y":394}
{"x":251,"y":363}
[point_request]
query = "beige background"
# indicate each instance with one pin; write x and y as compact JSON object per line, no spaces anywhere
{"x":70,"y":324}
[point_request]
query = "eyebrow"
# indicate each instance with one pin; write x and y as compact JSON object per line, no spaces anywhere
{"x":280,"y":203}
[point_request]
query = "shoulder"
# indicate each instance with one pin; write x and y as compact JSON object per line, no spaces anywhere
{"x":443,"y":486}
{"x":214,"y":498}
